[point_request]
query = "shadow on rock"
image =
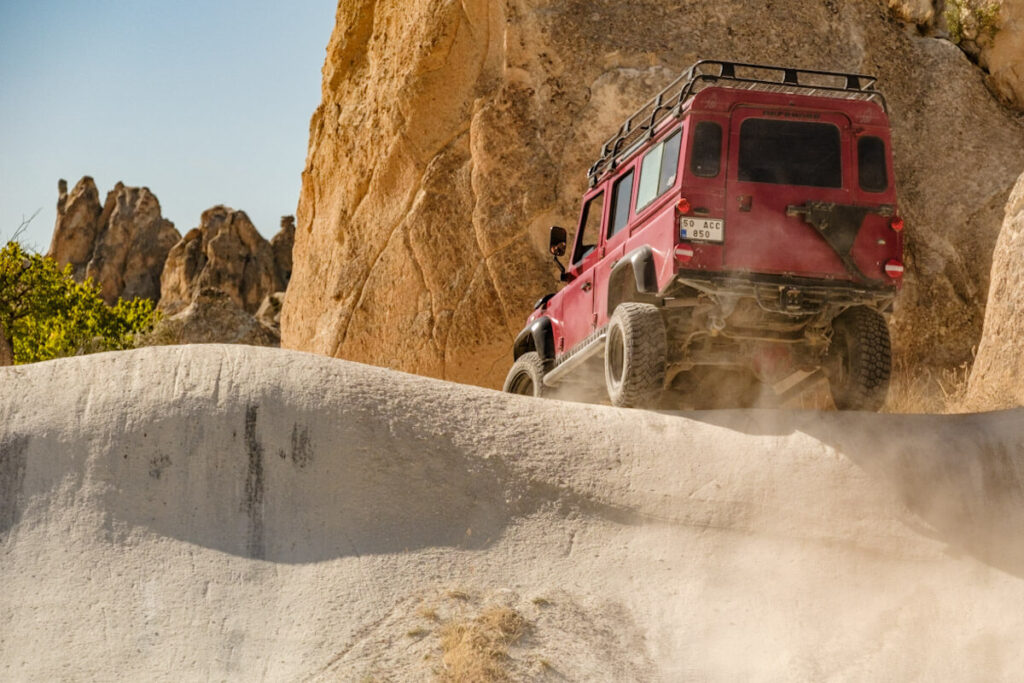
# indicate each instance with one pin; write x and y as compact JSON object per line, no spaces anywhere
{"x":12,"y":478}
{"x":275,"y":484}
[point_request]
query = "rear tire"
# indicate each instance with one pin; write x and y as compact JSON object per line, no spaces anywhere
{"x":526,"y":377}
{"x":859,"y":360}
{"x":634,"y":355}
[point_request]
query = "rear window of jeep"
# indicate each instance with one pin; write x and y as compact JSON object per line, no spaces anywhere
{"x":871,"y":164}
{"x":790,"y":153}
{"x":705,"y":159}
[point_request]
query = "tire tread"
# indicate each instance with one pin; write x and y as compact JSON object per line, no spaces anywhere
{"x":531,"y":364}
{"x":644,"y":348}
{"x":870,"y":359}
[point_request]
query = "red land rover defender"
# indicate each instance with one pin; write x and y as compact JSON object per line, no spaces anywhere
{"x":741,"y":223}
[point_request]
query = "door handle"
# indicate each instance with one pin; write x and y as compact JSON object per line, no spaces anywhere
{"x":746,"y":201}
{"x":586,"y":286}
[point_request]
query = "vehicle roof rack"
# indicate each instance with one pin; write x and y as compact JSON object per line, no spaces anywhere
{"x":644,"y":122}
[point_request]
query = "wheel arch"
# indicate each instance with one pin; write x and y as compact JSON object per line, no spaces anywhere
{"x":537,"y":336}
{"x":633,"y":278}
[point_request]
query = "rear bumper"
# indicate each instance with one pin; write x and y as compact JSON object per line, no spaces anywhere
{"x":783,"y":294}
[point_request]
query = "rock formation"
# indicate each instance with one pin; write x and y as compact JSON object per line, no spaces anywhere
{"x":996,"y":378}
{"x":212,"y":316}
{"x":269,"y":312}
{"x":225,"y":253}
{"x":922,"y":13}
{"x":132,"y":245}
{"x":450,"y":136}
{"x":991,"y":32}
{"x":281,"y":244}
{"x":122,"y":245}
{"x":1003,"y":54}
{"x":74,"y":236}
{"x":224,"y":282}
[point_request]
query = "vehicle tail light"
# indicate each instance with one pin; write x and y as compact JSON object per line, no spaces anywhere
{"x":894,"y":269}
{"x":896,"y":223}
{"x":684,"y":253}
{"x":683,"y":206}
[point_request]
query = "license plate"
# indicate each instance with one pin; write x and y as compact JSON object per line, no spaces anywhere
{"x":706,"y":229}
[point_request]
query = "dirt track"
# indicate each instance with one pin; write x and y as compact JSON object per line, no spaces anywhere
{"x":241,"y":513}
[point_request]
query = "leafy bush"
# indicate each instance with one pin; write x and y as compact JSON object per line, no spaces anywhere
{"x":45,"y":314}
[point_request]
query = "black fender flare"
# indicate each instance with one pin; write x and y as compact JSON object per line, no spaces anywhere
{"x":537,"y":336}
{"x":639,"y":262}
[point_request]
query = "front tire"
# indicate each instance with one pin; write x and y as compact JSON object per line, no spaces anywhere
{"x":859,"y":360}
{"x":634,"y":356}
{"x":526,"y":377}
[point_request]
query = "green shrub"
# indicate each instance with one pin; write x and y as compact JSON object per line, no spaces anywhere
{"x":45,"y":314}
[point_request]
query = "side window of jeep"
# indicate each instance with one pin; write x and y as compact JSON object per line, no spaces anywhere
{"x":658,"y":170}
{"x":590,"y":229}
{"x":621,"y":195}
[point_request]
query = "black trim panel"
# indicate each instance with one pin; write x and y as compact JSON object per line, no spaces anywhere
{"x":537,"y":336}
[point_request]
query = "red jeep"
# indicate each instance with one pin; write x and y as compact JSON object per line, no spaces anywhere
{"x":740,"y":225}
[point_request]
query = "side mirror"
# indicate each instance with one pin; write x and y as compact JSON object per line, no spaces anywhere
{"x":558,"y":241}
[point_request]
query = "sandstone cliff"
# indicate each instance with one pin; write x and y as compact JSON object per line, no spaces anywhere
{"x":997,"y":378}
{"x":122,"y":245}
{"x":451,"y":135}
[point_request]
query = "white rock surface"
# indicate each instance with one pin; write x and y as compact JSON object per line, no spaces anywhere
{"x":996,"y":376}
{"x":238,"y":513}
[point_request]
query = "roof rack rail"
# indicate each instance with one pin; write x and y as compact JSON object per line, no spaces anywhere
{"x":644,"y":122}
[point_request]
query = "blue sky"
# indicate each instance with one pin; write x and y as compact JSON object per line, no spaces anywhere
{"x":203,"y":102}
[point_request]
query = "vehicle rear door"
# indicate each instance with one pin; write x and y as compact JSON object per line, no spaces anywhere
{"x":779,"y":160}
